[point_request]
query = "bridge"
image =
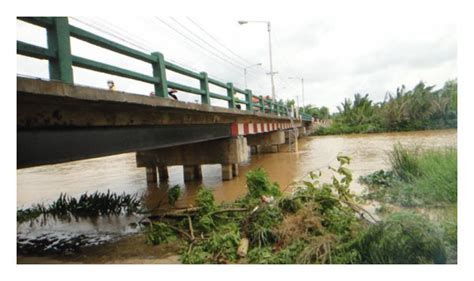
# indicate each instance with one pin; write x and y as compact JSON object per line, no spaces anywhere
{"x":59,"y":121}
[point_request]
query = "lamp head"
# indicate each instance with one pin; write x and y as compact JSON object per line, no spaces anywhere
{"x":242,"y":22}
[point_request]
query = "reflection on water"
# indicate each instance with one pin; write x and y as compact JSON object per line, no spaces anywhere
{"x":120,"y":174}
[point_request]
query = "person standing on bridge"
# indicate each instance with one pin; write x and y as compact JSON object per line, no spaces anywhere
{"x":236,"y":101}
{"x":111,"y":85}
{"x":170,"y":92}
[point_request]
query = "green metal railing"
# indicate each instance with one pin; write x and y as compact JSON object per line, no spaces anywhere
{"x":61,"y":60}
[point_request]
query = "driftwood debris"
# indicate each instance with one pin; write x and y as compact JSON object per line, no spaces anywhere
{"x":189,"y":212}
{"x":243,"y":247}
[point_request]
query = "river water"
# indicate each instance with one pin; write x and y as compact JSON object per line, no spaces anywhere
{"x":119,"y":174}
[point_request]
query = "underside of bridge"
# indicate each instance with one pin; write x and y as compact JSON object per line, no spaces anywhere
{"x":58,"y":122}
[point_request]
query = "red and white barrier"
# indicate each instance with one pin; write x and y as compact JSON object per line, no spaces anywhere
{"x":242,"y":129}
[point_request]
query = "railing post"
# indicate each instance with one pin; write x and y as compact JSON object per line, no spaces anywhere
{"x":60,"y":68}
{"x":204,"y":82}
{"x":230,"y":94}
{"x":159,"y":71}
{"x":262,"y":105}
{"x":248,"y":98}
{"x":270,"y":106}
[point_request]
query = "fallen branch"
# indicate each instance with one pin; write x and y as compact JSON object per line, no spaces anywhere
{"x":184,"y":213}
{"x":191,"y":230}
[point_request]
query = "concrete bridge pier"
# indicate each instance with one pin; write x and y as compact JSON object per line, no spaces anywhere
{"x":163,"y":173}
{"x":151,"y":176}
{"x":228,"y":152}
{"x":192,"y":172}
{"x":301,"y":132}
{"x":266,"y":142}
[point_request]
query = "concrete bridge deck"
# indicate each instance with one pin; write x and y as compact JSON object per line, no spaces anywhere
{"x":59,"y":122}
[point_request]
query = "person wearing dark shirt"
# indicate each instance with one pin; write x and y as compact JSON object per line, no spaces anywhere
{"x":171,"y":93}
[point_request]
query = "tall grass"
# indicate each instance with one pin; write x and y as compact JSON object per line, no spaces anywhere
{"x":428,"y":177}
{"x":404,"y":162}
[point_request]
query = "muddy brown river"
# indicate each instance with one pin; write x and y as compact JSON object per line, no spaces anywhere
{"x":119,"y":174}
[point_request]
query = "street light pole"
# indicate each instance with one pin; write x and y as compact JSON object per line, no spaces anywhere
{"x":245,"y":72}
{"x":271,"y":60}
{"x":302,"y":89}
{"x":270,"y":52}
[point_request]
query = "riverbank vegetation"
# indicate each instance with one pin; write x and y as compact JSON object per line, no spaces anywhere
{"x":421,"y":108}
{"x":87,"y":205}
{"x":424,"y":181}
{"x":317,"y":223}
{"x":416,"y":178}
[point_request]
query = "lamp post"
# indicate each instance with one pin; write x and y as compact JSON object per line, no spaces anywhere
{"x":245,"y":72}
{"x":270,"y":51}
{"x":302,"y":89}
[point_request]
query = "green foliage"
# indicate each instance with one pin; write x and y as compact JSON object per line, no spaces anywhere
{"x":289,"y":205}
{"x":419,"y":178}
{"x":404,"y":162}
{"x":321,"y":113}
{"x":23,"y":215}
{"x":319,"y":223}
{"x":205,"y":223}
{"x":378,"y":178}
{"x":258,"y":184}
{"x":266,"y":255}
{"x":173,"y":194}
{"x":220,"y":247}
{"x":419,"y":109}
{"x":92,"y":205}
{"x":261,"y":224}
{"x":160,"y":233}
{"x":438,"y":177}
{"x":402,"y":238}
{"x":205,"y":201}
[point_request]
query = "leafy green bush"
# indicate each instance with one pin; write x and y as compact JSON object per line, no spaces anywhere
{"x":160,"y":233}
{"x":266,"y":255}
{"x":258,"y":184}
{"x":289,"y":205}
{"x":378,"y":178}
{"x":403,"y":238}
{"x":220,"y":247}
{"x":205,"y":201}
{"x":173,"y":194}
{"x":261,"y":224}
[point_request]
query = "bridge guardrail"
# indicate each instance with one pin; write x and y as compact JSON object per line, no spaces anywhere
{"x":61,"y":60}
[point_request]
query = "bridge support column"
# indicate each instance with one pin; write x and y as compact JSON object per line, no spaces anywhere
{"x":227,"y":152}
{"x":254,"y":149}
{"x":301,"y":132}
{"x":235,"y":170}
{"x":163,"y":172}
{"x":192,"y":172}
{"x":269,"y":148}
{"x":266,"y":142}
{"x":227,"y":172}
{"x":151,"y":174}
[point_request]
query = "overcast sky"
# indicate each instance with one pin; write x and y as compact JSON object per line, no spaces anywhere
{"x":336,"y":55}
